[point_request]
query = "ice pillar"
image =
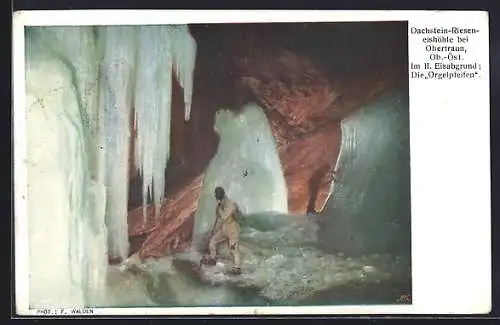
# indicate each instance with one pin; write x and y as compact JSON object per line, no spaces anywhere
{"x":246,"y":165}
{"x":116,"y":89}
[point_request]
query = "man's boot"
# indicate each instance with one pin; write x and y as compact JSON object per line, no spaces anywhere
{"x":208,"y":260}
{"x":236,"y":270}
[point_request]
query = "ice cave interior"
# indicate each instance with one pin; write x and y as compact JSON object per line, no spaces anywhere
{"x":130,"y":128}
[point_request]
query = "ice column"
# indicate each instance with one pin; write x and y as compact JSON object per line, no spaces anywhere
{"x":116,"y":90}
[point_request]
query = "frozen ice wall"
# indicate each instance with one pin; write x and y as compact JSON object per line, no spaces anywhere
{"x":369,"y":209}
{"x":246,"y":165}
{"x":67,"y":236}
{"x":67,"y":43}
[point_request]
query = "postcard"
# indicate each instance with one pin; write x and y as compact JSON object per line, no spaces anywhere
{"x":179,"y":162}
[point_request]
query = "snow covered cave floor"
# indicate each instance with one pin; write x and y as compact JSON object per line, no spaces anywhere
{"x":281,"y":266}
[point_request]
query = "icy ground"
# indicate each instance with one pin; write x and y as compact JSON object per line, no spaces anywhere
{"x":281,"y":266}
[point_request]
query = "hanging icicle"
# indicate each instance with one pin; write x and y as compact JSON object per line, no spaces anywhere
{"x":184,"y":51}
{"x":160,"y":48}
{"x":153,"y":94}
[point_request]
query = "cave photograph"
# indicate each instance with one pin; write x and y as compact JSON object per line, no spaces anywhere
{"x":229,"y":164}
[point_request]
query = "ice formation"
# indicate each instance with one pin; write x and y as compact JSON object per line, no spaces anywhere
{"x":116,"y":87}
{"x":66,"y":44}
{"x":161,"y":49}
{"x":67,"y":236}
{"x":82,"y":86}
{"x":370,"y":204}
{"x":184,"y":55}
{"x":152,"y":110}
{"x":246,"y":165}
{"x":137,"y":72}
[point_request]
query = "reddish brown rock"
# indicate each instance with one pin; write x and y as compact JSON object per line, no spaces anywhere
{"x":293,"y":90}
{"x":172,"y":231}
{"x":308,"y":165}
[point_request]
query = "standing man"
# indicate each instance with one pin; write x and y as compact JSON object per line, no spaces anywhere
{"x":226,"y":229}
